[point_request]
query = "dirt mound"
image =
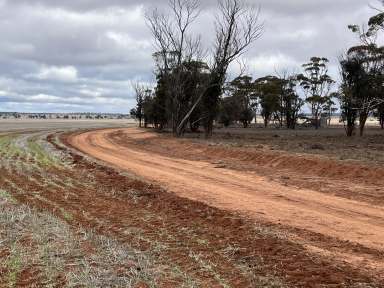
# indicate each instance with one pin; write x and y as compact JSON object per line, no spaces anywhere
{"x":309,"y":165}
{"x":347,"y":179}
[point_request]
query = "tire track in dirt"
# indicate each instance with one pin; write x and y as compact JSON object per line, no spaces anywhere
{"x":348,"y":220}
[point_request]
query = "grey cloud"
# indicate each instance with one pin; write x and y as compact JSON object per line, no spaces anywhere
{"x":108,"y":45}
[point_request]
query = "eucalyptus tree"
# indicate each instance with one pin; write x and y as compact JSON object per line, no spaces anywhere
{"x":138,"y":111}
{"x":229,"y":111}
{"x":268,"y":91}
{"x":330,"y":107}
{"x":380,"y":115}
{"x":376,"y":25}
{"x":175,"y":46}
{"x":194,"y":76}
{"x":242,"y":89}
{"x":370,"y":56}
{"x":278,"y":99}
{"x":290,"y":103}
{"x":376,"y":22}
{"x":351,"y":90}
{"x":316,"y":84}
{"x":237,"y":27}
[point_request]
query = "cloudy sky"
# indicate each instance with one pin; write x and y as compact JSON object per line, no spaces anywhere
{"x":82,"y":55}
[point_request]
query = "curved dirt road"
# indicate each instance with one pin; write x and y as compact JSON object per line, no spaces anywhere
{"x":334,"y":217}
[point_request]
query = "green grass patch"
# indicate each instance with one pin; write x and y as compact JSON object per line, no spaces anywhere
{"x":14,"y":266}
{"x":8,"y":148}
{"x":66,"y":215}
{"x":5,"y":195}
{"x":40,"y":155}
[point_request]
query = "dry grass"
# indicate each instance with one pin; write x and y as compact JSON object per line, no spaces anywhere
{"x":58,"y":254}
{"x":55,"y":249}
{"x":46,"y":250}
{"x":329,"y":142}
{"x":49,"y":247}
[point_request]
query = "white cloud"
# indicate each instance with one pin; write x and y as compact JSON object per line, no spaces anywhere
{"x":43,"y":98}
{"x":300,"y":35}
{"x":98,"y":92}
{"x":124,"y":40}
{"x":61,"y":74}
{"x":269,"y":63}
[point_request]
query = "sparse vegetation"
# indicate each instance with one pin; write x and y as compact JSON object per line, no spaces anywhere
{"x":58,"y":229}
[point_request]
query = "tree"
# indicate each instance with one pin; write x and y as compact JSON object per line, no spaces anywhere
{"x":376,"y":23}
{"x":160,"y":103}
{"x":316,"y":84}
{"x":351,"y":90}
{"x":176,"y":47}
{"x":290,"y":102}
{"x":196,"y":79}
{"x":379,"y":114}
{"x":330,"y":107}
{"x":138,"y":111}
{"x":278,"y":99}
{"x":229,"y":111}
{"x":368,"y":57}
{"x":242,"y":89}
{"x":237,"y":27}
{"x":133,"y":113}
{"x":148,"y":108}
{"x":268,"y":91}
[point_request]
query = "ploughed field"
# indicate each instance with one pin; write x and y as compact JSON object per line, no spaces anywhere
{"x":126,"y":207}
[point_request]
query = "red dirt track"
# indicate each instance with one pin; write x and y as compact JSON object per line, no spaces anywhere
{"x":330,"y":224}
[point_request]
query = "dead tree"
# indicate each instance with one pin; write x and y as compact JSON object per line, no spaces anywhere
{"x":175,"y":47}
{"x":237,"y":27}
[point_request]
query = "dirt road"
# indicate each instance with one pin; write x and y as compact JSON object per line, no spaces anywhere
{"x":357,"y":225}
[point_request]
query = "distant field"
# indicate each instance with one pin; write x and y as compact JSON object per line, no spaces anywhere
{"x":32,"y":124}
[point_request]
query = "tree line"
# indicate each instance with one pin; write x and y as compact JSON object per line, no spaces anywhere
{"x":362,"y":79}
{"x":192,"y":90}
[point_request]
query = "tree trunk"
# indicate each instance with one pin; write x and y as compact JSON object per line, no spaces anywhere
{"x":211,"y":98}
{"x":363,"y":120}
{"x":349,"y":130}
{"x":265,"y":122}
{"x":208,"y":128}
{"x":317,"y":123}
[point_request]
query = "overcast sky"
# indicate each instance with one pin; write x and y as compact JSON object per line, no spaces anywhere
{"x":82,"y":55}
